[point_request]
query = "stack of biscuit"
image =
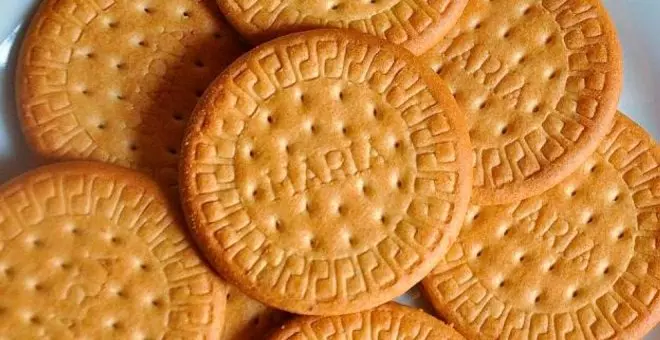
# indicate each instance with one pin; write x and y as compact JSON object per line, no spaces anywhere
{"x":288,"y":172}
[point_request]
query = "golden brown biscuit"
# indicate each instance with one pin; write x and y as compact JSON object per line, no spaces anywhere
{"x":415,"y":25}
{"x":247,"y":318}
{"x":326,"y":172}
{"x":539,"y":81}
{"x":94,"y":251}
{"x":579,"y":261}
{"x":391,"y":321}
{"x":115,"y":80}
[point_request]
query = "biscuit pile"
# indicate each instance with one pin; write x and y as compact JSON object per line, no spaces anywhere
{"x":292,"y":184}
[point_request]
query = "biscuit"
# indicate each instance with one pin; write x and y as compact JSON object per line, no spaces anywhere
{"x":388,"y":322}
{"x":325,"y":172}
{"x":95,"y":251}
{"x":416,"y":25}
{"x":115,"y":80}
{"x":579,"y":261}
{"x":539,"y":82}
{"x":249,"y":319}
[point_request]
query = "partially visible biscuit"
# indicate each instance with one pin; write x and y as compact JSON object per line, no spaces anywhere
{"x":95,"y":251}
{"x":390,"y":321}
{"x":247,"y":318}
{"x":326,"y":172}
{"x":579,"y":261}
{"x":414,"y":24}
{"x":539,"y":82}
{"x":115,"y":80}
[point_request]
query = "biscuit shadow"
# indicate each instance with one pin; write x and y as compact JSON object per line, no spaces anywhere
{"x":15,"y":155}
{"x":174,"y":93}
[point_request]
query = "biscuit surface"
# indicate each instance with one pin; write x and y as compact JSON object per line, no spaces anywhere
{"x":326,"y":172}
{"x":90,"y":250}
{"x":115,"y":80}
{"x":413,"y":24}
{"x":539,"y":81}
{"x":578,"y":261}
{"x":387,"y":322}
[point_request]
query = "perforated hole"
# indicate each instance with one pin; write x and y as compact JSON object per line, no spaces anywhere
{"x":120,"y":66}
{"x":575,"y":294}
{"x":142,"y":43}
{"x":90,"y":55}
{"x":156,"y":303}
{"x":552,"y":74}
{"x":133,"y":147}
{"x":399,"y":184}
{"x":147,"y":10}
{"x":504,"y":130}
{"x":548,"y":40}
{"x":199,"y":63}
{"x":270,"y":119}
{"x":113,"y":24}
{"x":502,"y":284}
{"x":606,"y":270}
{"x":186,"y":14}
{"x":479,"y":253}
{"x":199,"y":93}
{"x":171,"y":151}
{"x":537,"y":299}
{"x":35,"y":319}
{"x":536,"y":108}
{"x":621,"y":234}
{"x":101,"y":126}
{"x":506,"y":34}
{"x":589,"y":219}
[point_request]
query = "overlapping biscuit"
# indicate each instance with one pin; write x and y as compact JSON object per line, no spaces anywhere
{"x":539,"y":81}
{"x":326,"y":172}
{"x":115,"y":80}
{"x":580,"y":260}
{"x":387,"y":322}
{"x":413,"y":24}
{"x":91,"y":250}
{"x":247,"y":318}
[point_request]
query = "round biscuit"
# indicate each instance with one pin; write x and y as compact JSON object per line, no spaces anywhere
{"x":326,"y":172}
{"x":539,"y":82}
{"x":390,"y":321}
{"x":416,"y":25}
{"x":115,"y":80}
{"x":578,"y":261}
{"x":95,"y":251}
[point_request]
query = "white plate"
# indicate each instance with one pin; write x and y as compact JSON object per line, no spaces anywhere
{"x":636,"y":21}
